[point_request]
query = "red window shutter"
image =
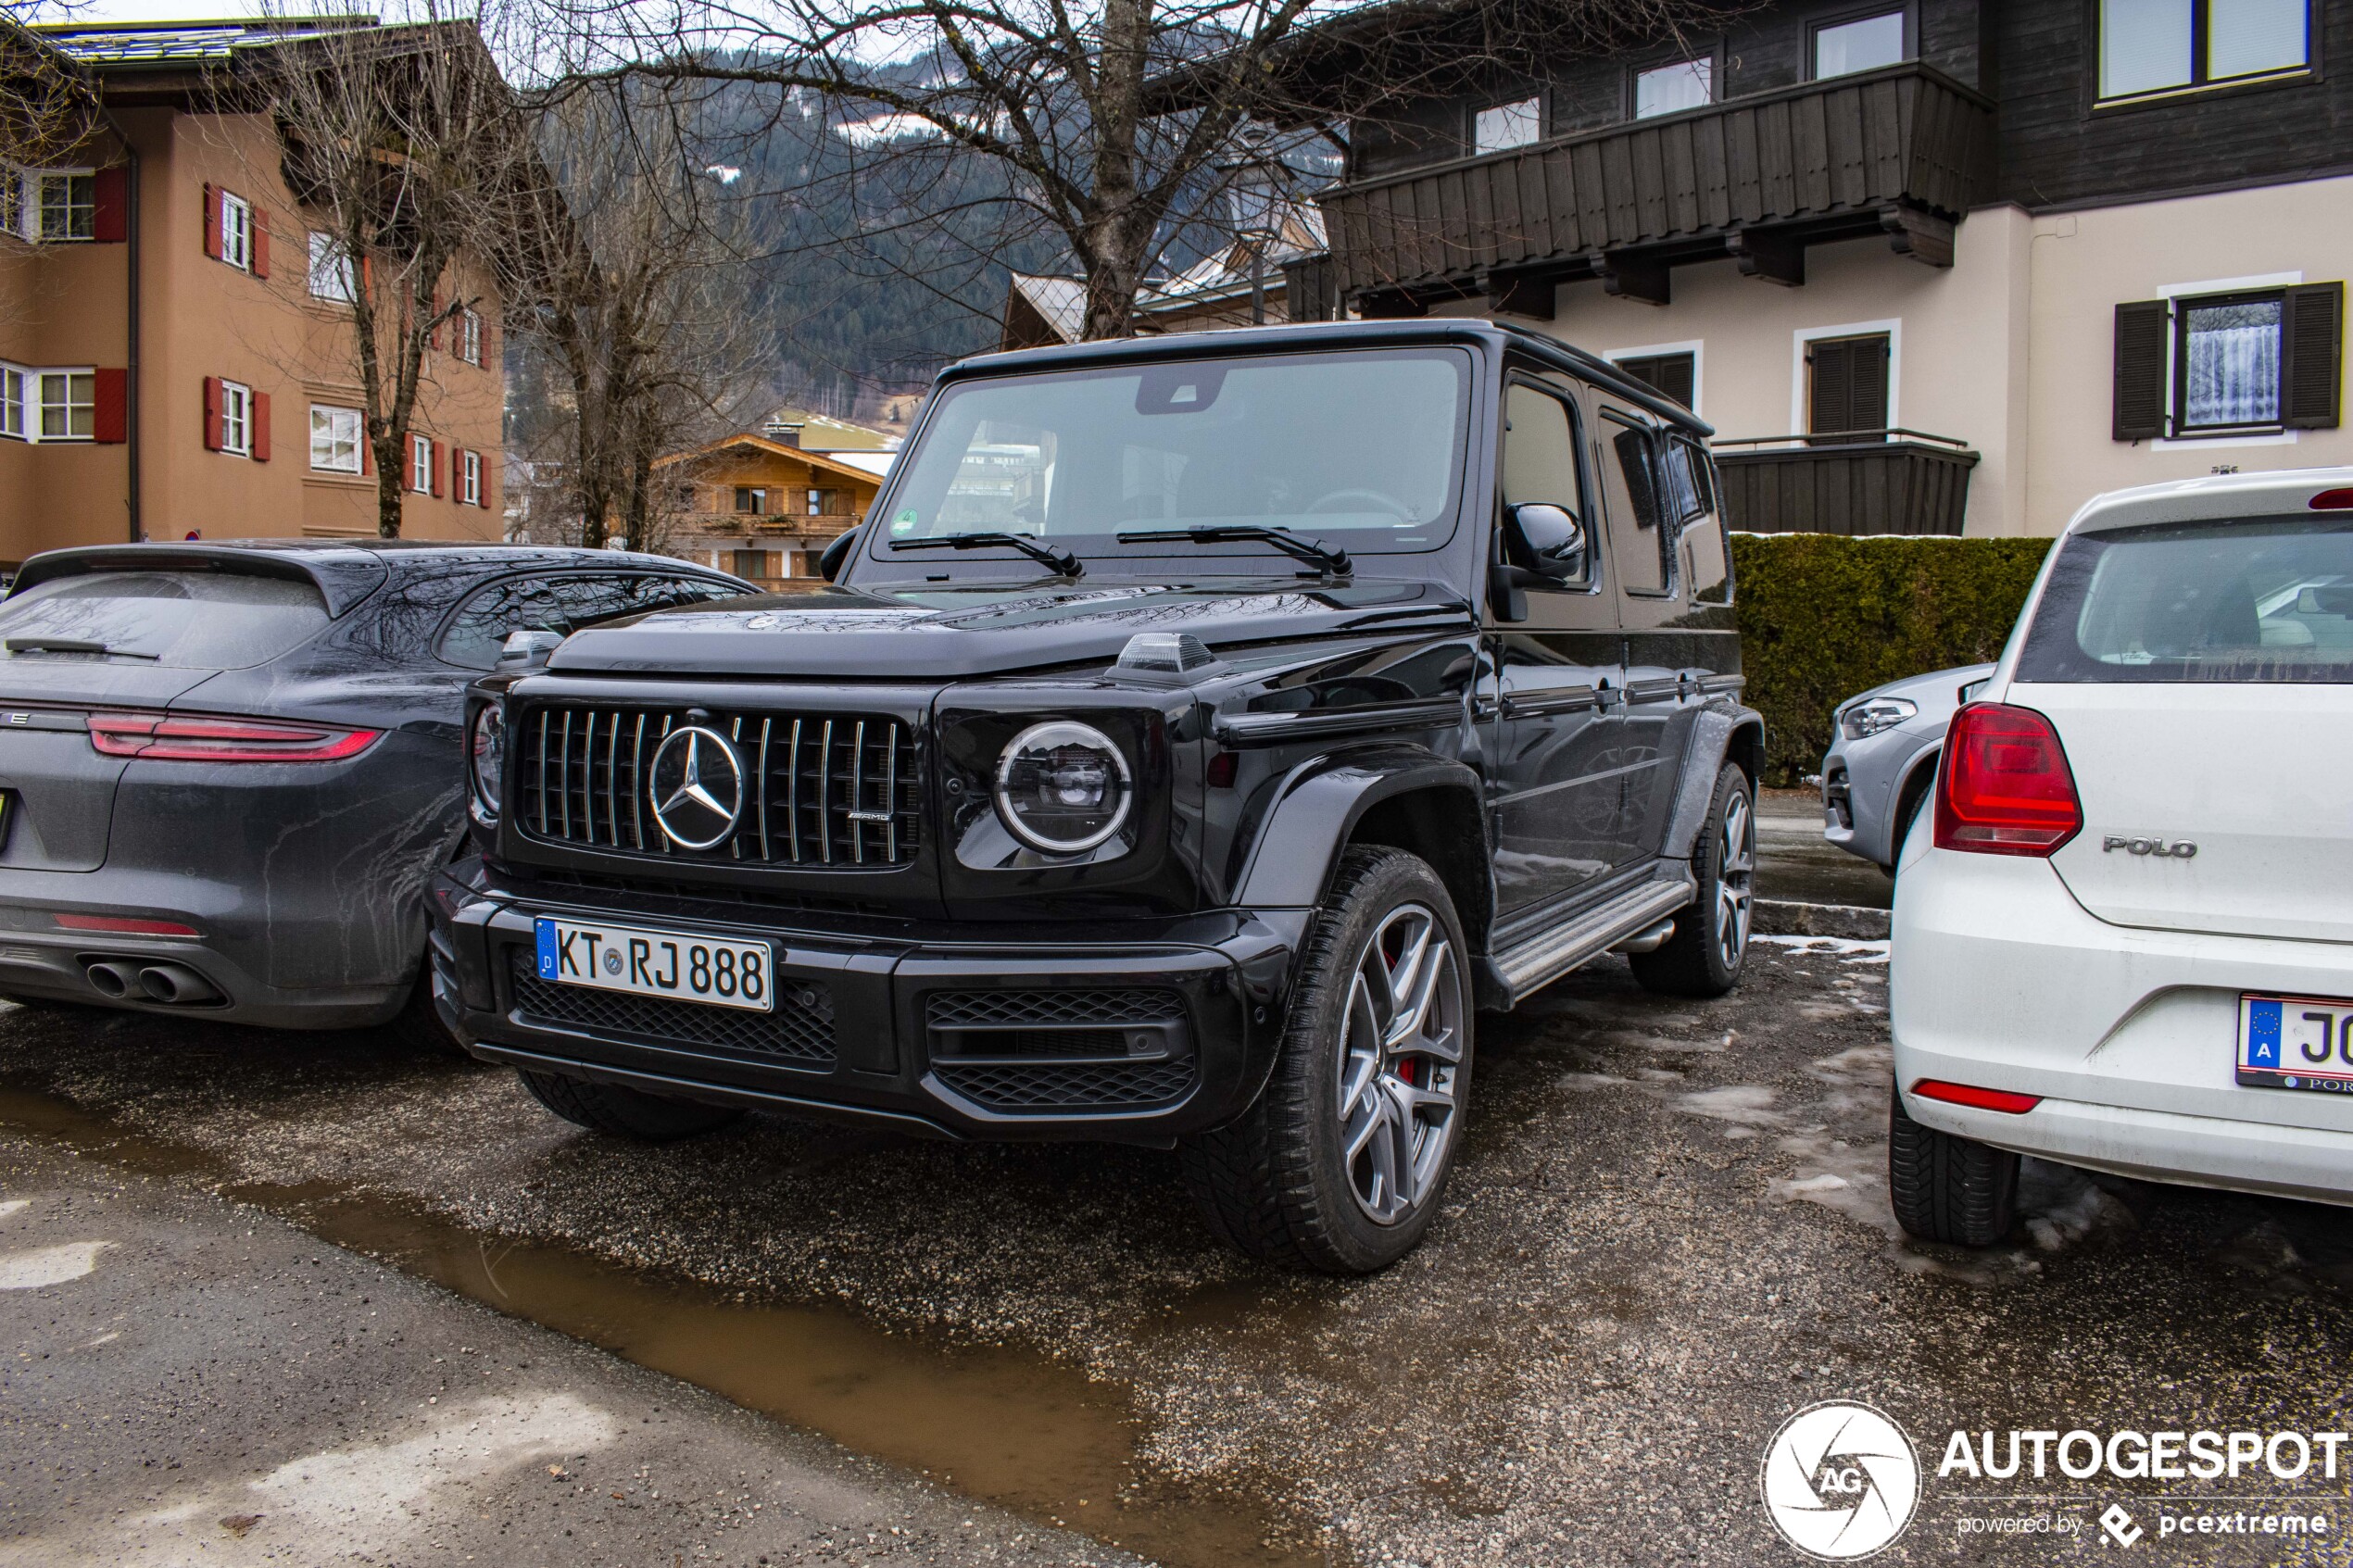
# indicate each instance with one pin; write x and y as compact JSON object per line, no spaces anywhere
{"x":259,"y":418}
{"x":212,"y":222}
{"x":440,"y":467}
{"x":110,"y":217}
{"x":212,"y":413}
{"x":110,"y":407}
{"x":367,"y":451}
{"x":489,"y":354}
{"x":367,"y":275}
{"x":261,"y":244}
{"x":485,"y":481}
{"x":433,"y":338}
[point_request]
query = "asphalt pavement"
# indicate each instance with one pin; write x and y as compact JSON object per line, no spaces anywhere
{"x":1668,"y":1233}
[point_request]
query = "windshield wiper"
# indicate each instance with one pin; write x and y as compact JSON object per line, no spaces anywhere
{"x":69,"y":644}
{"x":1314,"y":551}
{"x":1061,"y":561}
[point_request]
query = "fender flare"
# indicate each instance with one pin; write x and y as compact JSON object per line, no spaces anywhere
{"x":1318,"y":804}
{"x":1722,"y":728}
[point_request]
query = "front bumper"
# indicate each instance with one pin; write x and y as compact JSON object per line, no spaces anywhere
{"x":2000,"y":979}
{"x":943,"y":1030}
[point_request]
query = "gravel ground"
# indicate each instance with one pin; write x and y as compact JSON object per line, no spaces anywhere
{"x":1668,"y":1232}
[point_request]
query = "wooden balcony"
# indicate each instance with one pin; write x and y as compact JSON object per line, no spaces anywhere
{"x":1905,"y":151}
{"x":1852,"y":482}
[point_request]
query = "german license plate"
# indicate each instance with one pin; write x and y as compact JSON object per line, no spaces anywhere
{"x":656,"y":963}
{"x":2296,"y":1043}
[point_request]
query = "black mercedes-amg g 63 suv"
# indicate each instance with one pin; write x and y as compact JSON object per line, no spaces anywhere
{"x":1197,"y":732}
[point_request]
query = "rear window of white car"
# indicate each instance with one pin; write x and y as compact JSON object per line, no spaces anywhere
{"x":2260,"y":600}
{"x":175,"y":620}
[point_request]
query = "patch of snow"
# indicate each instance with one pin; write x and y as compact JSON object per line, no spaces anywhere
{"x":41,"y":1267}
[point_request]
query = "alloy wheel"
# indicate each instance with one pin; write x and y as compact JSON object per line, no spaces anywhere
{"x":1736,"y":871}
{"x":1400,"y":1056}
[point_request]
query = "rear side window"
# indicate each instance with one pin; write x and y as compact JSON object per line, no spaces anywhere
{"x":2262,"y":600}
{"x":175,"y":620}
{"x":562,"y":604}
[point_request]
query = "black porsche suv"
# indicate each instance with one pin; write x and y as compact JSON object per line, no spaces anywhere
{"x":1196,"y":733}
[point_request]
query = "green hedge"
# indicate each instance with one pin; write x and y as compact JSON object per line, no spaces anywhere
{"x":1823,"y":617}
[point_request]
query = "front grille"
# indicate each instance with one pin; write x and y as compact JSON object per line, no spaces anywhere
{"x":835,"y":790}
{"x":983,"y":1009}
{"x":1046,"y":1086}
{"x":799,"y":1032}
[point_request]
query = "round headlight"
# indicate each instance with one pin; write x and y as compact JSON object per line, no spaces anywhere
{"x":1062,"y":787}
{"x":487,"y":761}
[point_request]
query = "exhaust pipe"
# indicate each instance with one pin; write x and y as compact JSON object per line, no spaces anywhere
{"x":114,"y":978}
{"x":176,"y":985}
{"x":1649,"y":940}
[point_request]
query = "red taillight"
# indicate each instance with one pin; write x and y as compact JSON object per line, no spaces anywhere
{"x":124,"y":926}
{"x":1975,"y":1098}
{"x":223,"y":740}
{"x":2339,"y":500}
{"x":2005,"y":787}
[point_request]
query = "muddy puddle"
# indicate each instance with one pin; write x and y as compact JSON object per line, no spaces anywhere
{"x":1011,"y":1428}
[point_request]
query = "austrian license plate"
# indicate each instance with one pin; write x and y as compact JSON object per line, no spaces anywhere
{"x":2296,"y":1043}
{"x":656,"y":963}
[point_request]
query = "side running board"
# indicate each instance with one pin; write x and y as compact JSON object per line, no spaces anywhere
{"x":1548,"y":955}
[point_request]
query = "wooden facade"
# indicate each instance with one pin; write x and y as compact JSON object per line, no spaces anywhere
{"x":1906,"y":149}
{"x":1903,"y":485}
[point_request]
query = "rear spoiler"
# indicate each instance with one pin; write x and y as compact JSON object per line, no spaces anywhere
{"x":342,"y":577}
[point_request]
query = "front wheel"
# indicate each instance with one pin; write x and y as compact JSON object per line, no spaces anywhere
{"x":625,"y":1113}
{"x":1710,"y":945}
{"x":1343,"y":1163}
{"x":1947,"y":1187}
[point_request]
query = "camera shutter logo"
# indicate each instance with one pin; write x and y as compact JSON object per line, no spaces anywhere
{"x":1841,"y":1481}
{"x":697,"y":788}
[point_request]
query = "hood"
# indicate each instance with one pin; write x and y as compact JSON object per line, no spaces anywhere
{"x":940,"y":631}
{"x":1940,"y":688}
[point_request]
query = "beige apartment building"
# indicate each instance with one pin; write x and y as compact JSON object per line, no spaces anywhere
{"x":176,"y":354}
{"x":1932,"y":266}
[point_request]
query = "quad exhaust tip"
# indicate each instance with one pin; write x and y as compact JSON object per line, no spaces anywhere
{"x":171,"y":985}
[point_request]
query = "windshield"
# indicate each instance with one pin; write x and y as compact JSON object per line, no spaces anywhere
{"x":176,"y":619}
{"x":1359,"y":449}
{"x":2263,"y":600}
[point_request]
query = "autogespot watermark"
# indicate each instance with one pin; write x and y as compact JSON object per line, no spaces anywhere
{"x":1842,"y":1481}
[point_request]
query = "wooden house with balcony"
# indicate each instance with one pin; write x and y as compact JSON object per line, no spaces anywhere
{"x":1929,"y":265}
{"x":760,"y":506}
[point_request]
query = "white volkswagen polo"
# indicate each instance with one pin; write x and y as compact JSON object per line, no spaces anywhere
{"x":2123,"y":939}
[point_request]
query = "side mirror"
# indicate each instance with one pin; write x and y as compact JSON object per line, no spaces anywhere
{"x":830,"y":559}
{"x":525,"y":651}
{"x":1544,"y":540}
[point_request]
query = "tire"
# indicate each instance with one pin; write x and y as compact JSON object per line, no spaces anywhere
{"x":1947,"y":1188}
{"x":1710,"y":945}
{"x":1366,"y":1057}
{"x":1913,"y":803}
{"x":625,"y":1113}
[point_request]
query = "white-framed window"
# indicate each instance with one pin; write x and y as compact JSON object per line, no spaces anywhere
{"x":470,"y":480}
{"x":421,"y":464}
{"x":48,"y":203}
{"x":1860,"y":44}
{"x":1674,"y":87}
{"x":12,"y":379}
{"x":1506,"y":125}
{"x":236,"y":231}
{"x":336,"y":438}
{"x":68,"y":405}
{"x":236,"y":418}
{"x":12,"y":200}
{"x":469,"y":334}
{"x":2166,"y":46}
{"x":332,"y":276}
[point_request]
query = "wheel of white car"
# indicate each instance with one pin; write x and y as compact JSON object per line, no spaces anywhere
{"x":1710,"y":945}
{"x":1946,"y":1187}
{"x":1343,"y":1163}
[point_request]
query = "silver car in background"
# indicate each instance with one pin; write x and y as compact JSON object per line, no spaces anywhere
{"x":1882,"y":760}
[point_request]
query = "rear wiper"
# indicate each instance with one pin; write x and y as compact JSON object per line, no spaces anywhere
{"x":69,"y":644}
{"x":1314,"y":551}
{"x":1061,"y":561}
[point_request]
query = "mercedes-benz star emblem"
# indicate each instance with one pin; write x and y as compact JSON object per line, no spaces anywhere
{"x":699,"y":788}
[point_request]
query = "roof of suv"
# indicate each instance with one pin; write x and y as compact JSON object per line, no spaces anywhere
{"x":344,"y":570}
{"x":2221,"y":496}
{"x":1336,"y":334}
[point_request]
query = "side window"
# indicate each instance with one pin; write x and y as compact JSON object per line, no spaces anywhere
{"x":1641,"y":529}
{"x":1540,"y":457}
{"x":1707,"y":569}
